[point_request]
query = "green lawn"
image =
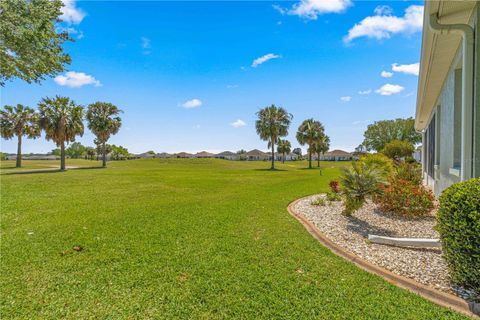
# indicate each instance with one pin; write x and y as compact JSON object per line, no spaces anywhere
{"x":191,"y":239}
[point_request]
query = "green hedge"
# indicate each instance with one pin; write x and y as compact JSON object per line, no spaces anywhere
{"x":459,"y":227}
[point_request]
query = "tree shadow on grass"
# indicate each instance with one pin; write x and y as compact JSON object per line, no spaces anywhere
{"x":272,"y":170}
{"x":56,"y":170}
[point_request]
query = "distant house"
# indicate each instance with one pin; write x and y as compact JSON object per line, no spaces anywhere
{"x":336,"y":155}
{"x":145,"y":155}
{"x":33,"y":157}
{"x":288,"y":157}
{"x":448,"y":109}
{"x":183,"y":155}
{"x":256,"y":154}
{"x":163,"y":155}
{"x":204,"y":154}
{"x":227,"y":155}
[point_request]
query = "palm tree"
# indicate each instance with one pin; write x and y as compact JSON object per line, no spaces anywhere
{"x":309,"y":132}
{"x":90,"y":153}
{"x":284,"y":147}
{"x":104,"y":121}
{"x":62,"y":121}
{"x":272,"y":124}
{"x":320,"y":147}
{"x":19,"y":121}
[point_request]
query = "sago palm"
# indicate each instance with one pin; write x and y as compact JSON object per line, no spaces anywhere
{"x":308,"y":133}
{"x":19,"y":121}
{"x":284,"y":147}
{"x":271,"y":125}
{"x":104,"y":121}
{"x":62,"y":121}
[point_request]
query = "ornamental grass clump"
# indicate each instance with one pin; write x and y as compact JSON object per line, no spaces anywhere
{"x":320,"y":202}
{"x":458,"y":222}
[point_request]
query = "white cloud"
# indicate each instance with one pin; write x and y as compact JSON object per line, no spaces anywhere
{"x":264,"y":59}
{"x":190,"y":104}
{"x":232,"y":86}
{"x":146,"y":45}
{"x":74,"y":79}
{"x":280,"y":9}
{"x":365,"y":92}
{"x":413,"y":68}
{"x":383,"y":10}
{"x":70,"y":13}
{"x":386,"y":74}
{"x":311,"y":9}
{"x":346,"y":98}
{"x":238,"y":124}
{"x":383,"y":24}
{"x":389,"y":89}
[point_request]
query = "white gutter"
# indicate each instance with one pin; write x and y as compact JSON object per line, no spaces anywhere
{"x":467,"y":33}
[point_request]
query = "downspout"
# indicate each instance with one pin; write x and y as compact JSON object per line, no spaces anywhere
{"x":467,"y":33}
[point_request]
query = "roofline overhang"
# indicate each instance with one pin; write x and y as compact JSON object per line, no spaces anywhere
{"x":429,"y":91}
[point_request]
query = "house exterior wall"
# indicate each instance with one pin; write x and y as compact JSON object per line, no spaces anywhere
{"x":476,"y":106}
{"x":446,"y":172}
{"x":444,"y":138}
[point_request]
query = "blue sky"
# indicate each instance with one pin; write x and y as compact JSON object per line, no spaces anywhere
{"x":185,"y":75}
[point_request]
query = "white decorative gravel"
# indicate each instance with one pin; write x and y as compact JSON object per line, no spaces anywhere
{"x":426,"y":266}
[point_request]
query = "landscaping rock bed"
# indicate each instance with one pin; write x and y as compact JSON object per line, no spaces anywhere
{"x":426,"y":266}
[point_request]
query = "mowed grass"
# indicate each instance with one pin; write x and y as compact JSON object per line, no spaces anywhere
{"x":190,"y":239}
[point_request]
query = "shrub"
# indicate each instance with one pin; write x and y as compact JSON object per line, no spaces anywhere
{"x":333,"y":196}
{"x":335,"y":186}
{"x":397,"y":149}
{"x":352,"y":204}
{"x":410,"y":159}
{"x":318,"y":202}
{"x":458,"y":222}
{"x":409,"y":171}
{"x":359,"y":182}
{"x":381,"y":162}
{"x":405,"y":198}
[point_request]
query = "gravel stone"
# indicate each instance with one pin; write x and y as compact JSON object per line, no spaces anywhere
{"x":425,"y":265}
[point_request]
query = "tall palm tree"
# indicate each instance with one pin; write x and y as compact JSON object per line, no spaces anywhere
{"x":62,"y":121}
{"x":104,"y":121}
{"x":271,"y":125}
{"x":284,"y":147}
{"x":320,"y":147}
{"x":308,"y":132}
{"x":19,"y":121}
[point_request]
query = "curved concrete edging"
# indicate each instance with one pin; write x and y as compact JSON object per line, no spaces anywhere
{"x":438,"y":297}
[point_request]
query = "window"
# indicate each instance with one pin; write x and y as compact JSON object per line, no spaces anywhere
{"x":430,"y":148}
{"x":457,"y":121}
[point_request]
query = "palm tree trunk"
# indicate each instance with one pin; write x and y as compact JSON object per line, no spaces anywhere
{"x":318,"y":160}
{"x":18,"y":163}
{"x":104,"y":159}
{"x":283,"y":157}
{"x":62,"y":156}
{"x":309,"y":159}
{"x":273,"y":156}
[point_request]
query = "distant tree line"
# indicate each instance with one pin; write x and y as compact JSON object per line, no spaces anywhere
{"x":61,"y":120}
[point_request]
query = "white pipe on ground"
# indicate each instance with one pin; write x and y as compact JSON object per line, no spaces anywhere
{"x":406,"y":242}
{"x":467,"y":33}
